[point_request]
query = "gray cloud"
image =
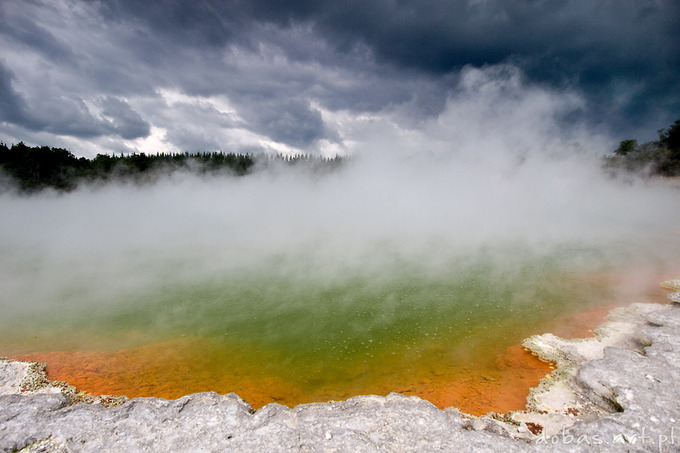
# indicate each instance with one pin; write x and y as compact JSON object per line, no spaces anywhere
{"x":63,"y":115}
{"x":93,"y":69}
{"x":290,"y":122}
{"x":32,"y":36}
{"x":123,"y":120}
{"x":12,"y":105}
{"x":56,"y":115}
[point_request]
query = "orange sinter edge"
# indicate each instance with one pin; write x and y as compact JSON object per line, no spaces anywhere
{"x":179,"y":367}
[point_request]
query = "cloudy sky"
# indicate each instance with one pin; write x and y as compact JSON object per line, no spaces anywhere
{"x":332,"y":77}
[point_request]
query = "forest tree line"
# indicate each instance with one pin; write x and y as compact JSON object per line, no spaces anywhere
{"x":656,"y":158}
{"x":34,"y":168}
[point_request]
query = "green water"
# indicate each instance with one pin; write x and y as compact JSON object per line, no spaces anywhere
{"x":304,"y":321}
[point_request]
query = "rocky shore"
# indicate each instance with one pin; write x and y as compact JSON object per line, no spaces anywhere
{"x":616,"y":392}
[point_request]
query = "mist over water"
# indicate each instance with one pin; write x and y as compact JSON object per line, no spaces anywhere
{"x":471,"y":230}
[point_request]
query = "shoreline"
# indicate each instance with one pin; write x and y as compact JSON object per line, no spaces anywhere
{"x":612,"y":390}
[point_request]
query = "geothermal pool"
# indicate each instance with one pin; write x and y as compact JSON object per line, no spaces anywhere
{"x":449,"y":335}
{"x":291,"y":287}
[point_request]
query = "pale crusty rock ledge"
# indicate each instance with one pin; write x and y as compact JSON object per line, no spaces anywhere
{"x":616,"y":392}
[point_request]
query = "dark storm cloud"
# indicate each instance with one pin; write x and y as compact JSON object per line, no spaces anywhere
{"x":69,"y":116}
{"x":62,"y":116}
{"x":12,"y":106}
{"x":101,"y":69}
{"x":121,"y":119}
{"x":598,"y":39}
{"x":290,"y":122}
{"x":33,"y":36}
{"x":621,"y":54}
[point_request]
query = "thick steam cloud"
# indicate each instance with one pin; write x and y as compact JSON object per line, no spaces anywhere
{"x":497,"y":170}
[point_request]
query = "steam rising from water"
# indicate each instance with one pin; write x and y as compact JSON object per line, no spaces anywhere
{"x":428,"y":229}
{"x":375,"y":220}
